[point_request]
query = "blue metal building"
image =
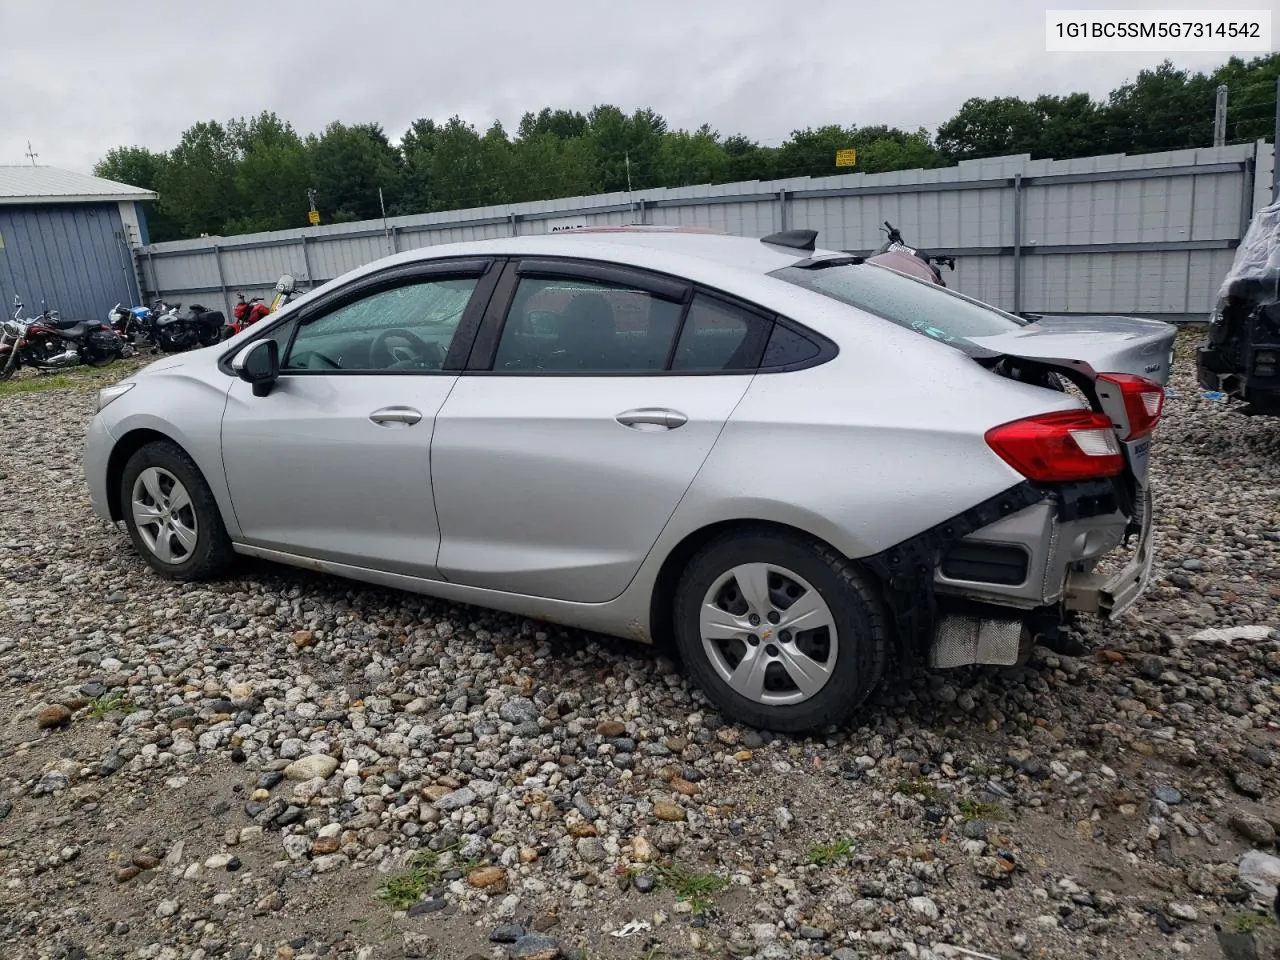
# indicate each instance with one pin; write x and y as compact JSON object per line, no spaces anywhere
{"x":67,"y":241}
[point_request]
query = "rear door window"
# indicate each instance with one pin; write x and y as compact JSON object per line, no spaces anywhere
{"x":562,"y":325}
{"x":719,"y":336}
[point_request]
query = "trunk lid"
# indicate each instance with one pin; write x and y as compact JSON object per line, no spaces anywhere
{"x":1091,"y":345}
{"x":1082,"y":348}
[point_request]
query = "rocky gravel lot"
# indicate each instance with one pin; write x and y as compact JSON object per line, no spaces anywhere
{"x":282,"y":764}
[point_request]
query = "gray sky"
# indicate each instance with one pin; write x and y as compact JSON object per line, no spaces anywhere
{"x":81,"y":76}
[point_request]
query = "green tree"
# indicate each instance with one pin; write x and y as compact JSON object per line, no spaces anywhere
{"x":140,"y":167}
{"x":271,"y":175}
{"x":747,"y":160}
{"x":1163,"y":109}
{"x":686,"y":158}
{"x":197,"y":185}
{"x":348,"y":166}
{"x":990,"y":128}
{"x":626,"y":147}
{"x":1251,"y":96}
{"x":546,"y":166}
{"x":564,"y":124}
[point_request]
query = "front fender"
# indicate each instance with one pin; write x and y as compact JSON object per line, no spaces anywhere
{"x":200,"y":403}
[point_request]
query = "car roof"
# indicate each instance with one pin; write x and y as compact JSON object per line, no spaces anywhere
{"x":669,"y":249}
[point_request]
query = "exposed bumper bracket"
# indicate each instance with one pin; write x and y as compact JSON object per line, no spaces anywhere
{"x":1110,"y":596}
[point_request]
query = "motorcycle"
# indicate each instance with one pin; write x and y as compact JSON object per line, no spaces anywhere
{"x":133,"y":324}
{"x":173,"y":333}
{"x":48,"y":342}
{"x":246,"y":313}
{"x":896,"y":254}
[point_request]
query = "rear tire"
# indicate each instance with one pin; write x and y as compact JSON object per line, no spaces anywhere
{"x":171,"y":515}
{"x":766,"y":674}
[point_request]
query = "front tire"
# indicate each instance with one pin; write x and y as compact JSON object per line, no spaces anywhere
{"x":171,"y":515}
{"x":779,"y":632}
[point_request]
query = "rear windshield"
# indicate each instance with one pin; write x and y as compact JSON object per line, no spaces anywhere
{"x":927,"y":308}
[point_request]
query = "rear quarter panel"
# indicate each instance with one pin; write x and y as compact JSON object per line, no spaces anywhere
{"x":868,"y":449}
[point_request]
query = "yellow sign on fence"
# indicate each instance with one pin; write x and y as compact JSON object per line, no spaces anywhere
{"x":847,"y":158}
{"x":313,"y":217}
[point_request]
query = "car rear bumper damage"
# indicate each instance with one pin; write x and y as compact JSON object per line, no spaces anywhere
{"x":979,"y":588}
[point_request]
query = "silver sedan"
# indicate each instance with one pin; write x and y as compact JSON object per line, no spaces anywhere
{"x":797,"y":467}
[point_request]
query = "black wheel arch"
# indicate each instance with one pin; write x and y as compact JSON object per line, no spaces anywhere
{"x":662,"y":600}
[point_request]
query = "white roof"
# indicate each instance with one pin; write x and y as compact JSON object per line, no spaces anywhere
{"x":39,"y":184}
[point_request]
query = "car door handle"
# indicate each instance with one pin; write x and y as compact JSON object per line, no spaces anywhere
{"x":389,"y":415}
{"x":652,"y":418}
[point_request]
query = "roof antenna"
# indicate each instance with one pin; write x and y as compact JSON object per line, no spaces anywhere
{"x":31,"y":153}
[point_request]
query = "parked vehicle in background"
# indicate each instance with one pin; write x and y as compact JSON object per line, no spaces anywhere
{"x":174,"y":332}
{"x":50,"y":343}
{"x":246,"y":313}
{"x":799,"y":466}
{"x":1241,"y":354}
{"x":133,"y":324}
{"x":894,"y":253}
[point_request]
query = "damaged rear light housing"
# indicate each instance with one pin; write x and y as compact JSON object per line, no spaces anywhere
{"x":1059,"y":447}
{"x":1140,"y":400}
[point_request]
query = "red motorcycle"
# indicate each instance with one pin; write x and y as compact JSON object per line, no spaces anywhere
{"x":48,"y":342}
{"x":246,"y":313}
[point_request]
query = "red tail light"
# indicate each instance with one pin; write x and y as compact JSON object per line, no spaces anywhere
{"x":1142,"y":401}
{"x":1057,"y":447}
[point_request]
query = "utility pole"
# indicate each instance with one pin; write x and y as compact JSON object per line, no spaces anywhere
{"x":1220,"y":117}
{"x":31,"y":153}
{"x":630,"y":203}
{"x":391,"y":247}
{"x":1275,"y":150}
{"x":313,"y":215}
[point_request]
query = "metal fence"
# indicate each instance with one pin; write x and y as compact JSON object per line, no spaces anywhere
{"x":1149,"y":235}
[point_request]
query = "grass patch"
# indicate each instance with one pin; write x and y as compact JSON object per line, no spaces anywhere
{"x":82,"y":377}
{"x":109,"y":703}
{"x":825,"y":853}
{"x":1249,"y":922}
{"x":919,"y":787}
{"x":971,"y":809}
{"x":697,"y":889}
{"x":426,"y":870}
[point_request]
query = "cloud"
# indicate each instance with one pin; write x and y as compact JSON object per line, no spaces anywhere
{"x":81,"y":76}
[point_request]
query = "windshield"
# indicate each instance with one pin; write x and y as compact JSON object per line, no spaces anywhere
{"x":924,"y":307}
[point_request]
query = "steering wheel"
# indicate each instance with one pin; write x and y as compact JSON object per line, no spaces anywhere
{"x":382,"y":356}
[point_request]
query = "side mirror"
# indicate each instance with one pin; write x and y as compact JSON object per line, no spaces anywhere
{"x":258,"y":364}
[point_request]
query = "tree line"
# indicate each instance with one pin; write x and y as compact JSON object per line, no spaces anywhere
{"x":253,"y":174}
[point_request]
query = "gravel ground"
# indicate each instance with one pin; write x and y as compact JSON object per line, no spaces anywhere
{"x":282,"y":764}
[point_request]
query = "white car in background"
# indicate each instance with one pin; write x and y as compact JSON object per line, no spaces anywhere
{"x":799,"y":467}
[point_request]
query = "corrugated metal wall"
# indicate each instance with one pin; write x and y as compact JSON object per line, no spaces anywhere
{"x":1150,"y":234}
{"x":68,"y":257}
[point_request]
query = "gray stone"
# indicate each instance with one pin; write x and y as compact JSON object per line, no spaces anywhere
{"x":1167,"y":794}
{"x":506,"y":933}
{"x":307,"y":768}
{"x":535,"y":946}
{"x":519,"y":710}
{"x":925,"y":907}
{"x":431,"y":905}
{"x":456,"y":800}
{"x":419,"y":946}
{"x":1248,"y":784}
{"x":1253,"y":828}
